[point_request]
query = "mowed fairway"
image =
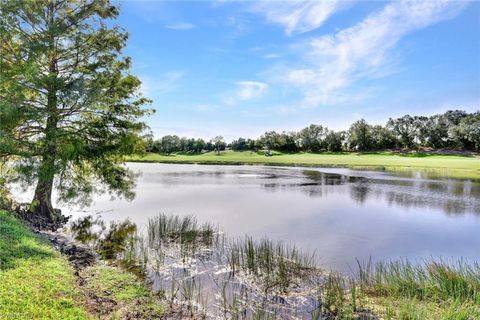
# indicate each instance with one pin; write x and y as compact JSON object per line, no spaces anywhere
{"x":438,"y":165}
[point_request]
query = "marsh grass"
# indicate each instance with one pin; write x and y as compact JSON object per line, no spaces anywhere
{"x":277,"y":265}
{"x":403,"y":290}
{"x":262,"y":279}
{"x":186,"y":231}
{"x":432,"y":280}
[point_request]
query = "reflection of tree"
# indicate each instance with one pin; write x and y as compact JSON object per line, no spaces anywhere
{"x":450,"y":196}
{"x":450,"y":206}
{"x":359,"y":192}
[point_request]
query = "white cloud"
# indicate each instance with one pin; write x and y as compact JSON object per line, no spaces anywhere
{"x":203,"y":108}
{"x":244,"y":91}
{"x":332,"y":63}
{"x":272,"y":56}
{"x":180,"y":26}
{"x":248,"y":90}
{"x":298,"y":16}
{"x":163,"y":84}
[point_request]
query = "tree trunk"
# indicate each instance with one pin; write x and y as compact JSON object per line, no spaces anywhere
{"x":42,"y":200}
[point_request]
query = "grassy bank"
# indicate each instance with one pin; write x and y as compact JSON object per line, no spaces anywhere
{"x":432,"y":290}
{"x":456,"y":166}
{"x":37,"y":282}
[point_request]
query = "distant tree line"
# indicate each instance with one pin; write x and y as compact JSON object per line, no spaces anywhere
{"x":173,"y":144}
{"x":453,"y":129}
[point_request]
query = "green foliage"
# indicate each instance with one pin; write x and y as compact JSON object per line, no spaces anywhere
{"x":69,"y":105}
{"x":242,"y":144}
{"x":184,"y":230}
{"x":406,"y":129}
{"x":360,"y":136}
{"x":334,"y":141}
{"x":454,"y":129}
{"x":271,"y":140}
{"x":311,"y":138}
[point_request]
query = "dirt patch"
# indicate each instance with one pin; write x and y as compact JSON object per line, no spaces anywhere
{"x":79,"y":255}
{"x":36,"y":222}
{"x":104,"y":297}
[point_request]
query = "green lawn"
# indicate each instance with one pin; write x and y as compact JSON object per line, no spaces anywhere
{"x":37,"y":282}
{"x":438,"y":165}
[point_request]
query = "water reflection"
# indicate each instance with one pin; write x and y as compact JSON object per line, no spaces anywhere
{"x":340,"y":214}
{"x":450,"y":196}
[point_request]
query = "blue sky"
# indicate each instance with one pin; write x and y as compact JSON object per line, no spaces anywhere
{"x":242,"y":68}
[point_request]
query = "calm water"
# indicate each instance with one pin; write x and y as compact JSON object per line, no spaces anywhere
{"x":340,"y":214}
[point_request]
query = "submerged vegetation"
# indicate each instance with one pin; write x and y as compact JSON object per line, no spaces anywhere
{"x":197,"y":268}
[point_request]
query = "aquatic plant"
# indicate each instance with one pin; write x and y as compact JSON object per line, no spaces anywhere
{"x":179,"y":229}
{"x":264,"y":279}
{"x":277,"y":265}
{"x":435,"y":280}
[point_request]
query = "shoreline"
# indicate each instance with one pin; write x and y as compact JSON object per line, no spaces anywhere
{"x":93,"y":287}
{"x":438,"y":166}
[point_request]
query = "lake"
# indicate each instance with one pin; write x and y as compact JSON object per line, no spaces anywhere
{"x":340,"y":214}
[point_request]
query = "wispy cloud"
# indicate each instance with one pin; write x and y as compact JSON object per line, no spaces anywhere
{"x":180,"y":26}
{"x":298,"y":16}
{"x":161,"y":84}
{"x":272,"y":56}
{"x":332,"y":63}
{"x":204,"y":108}
{"x":248,"y":90}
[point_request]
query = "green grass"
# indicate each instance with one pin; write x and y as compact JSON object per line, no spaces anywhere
{"x":401,"y":290}
{"x":455,"y":166}
{"x":35,"y":281}
{"x":436,"y":281}
{"x":122,"y":294}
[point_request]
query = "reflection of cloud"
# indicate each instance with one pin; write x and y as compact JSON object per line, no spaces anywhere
{"x":180,"y":26}
{"x":163,"y":84}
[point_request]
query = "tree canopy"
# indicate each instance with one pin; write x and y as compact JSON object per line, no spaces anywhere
{"x":454,"y":129}
{"x":70,"y":108}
